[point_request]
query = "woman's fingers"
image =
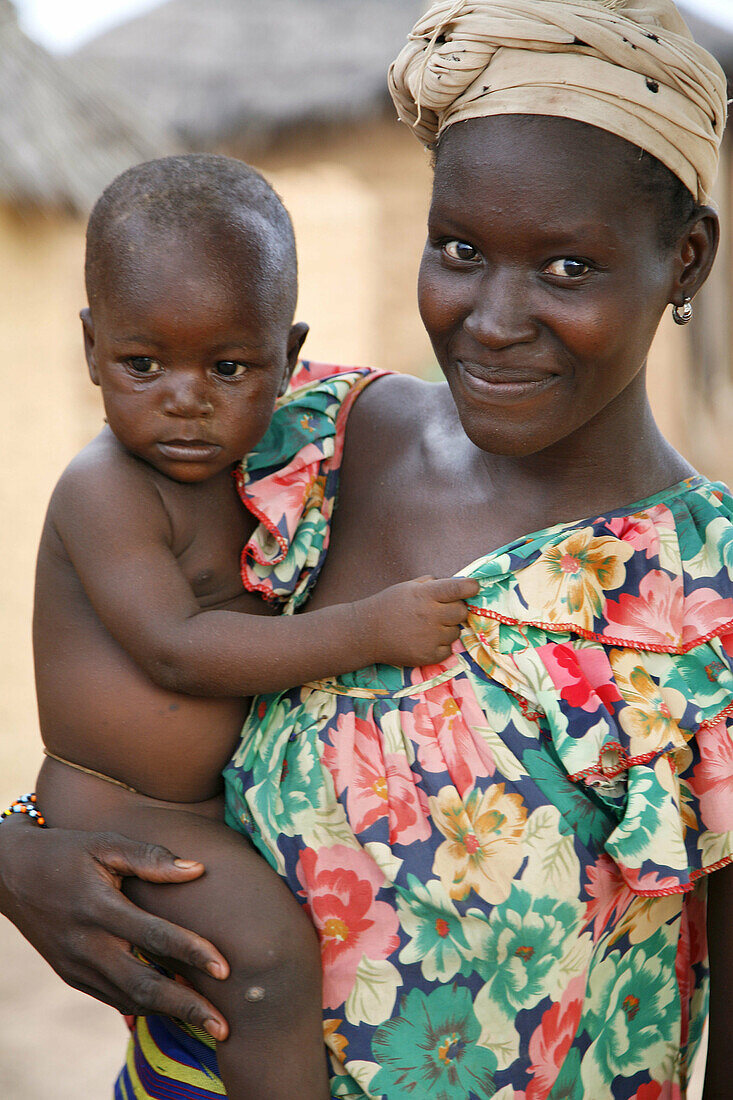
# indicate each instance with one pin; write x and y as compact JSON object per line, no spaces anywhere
{"x":137,"y":989}
{"x":158,"y":938}
{"x":84,"y":926}
{"x":146,"y":992}
{"x":118,"y":857}
{"x":126,"y":858}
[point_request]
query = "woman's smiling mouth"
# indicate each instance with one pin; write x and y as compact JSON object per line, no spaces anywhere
{"x":504,"y":386}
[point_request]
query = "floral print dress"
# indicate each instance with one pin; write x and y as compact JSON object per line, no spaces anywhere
{"x":505,"y":856}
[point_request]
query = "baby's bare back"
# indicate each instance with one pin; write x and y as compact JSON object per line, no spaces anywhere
{"x":97,"y":707}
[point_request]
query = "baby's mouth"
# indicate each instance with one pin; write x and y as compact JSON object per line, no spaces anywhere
{"x":188,"y":450}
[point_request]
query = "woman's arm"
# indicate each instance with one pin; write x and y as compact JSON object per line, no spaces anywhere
{"x":720,"y":947}
{"x":61,"y":889}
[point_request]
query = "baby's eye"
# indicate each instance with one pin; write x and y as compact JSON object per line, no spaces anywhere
{"x":461,"y":251}
{"x":143,"y":364}
{"x":228,"y":368}
{"x":567,"y":268}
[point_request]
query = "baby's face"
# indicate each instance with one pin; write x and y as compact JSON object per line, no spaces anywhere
{"x":189,"y":351}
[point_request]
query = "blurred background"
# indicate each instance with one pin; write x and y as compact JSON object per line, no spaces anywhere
{"x":297,"y":88}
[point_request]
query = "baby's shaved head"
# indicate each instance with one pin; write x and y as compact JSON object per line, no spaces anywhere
{"x":214,"y":200}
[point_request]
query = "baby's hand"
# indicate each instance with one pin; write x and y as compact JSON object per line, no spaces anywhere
{"x":416,"y":622}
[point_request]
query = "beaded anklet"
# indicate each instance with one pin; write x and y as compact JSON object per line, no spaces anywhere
{"x":26,"y":804}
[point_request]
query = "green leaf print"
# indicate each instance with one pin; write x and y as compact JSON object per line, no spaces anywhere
{"x":579,"y":806}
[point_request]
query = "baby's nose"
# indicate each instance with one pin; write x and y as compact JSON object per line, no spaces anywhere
{"x":187,"y":395}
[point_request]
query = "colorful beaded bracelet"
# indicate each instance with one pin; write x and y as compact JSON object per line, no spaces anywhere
{"x":26,"y":804}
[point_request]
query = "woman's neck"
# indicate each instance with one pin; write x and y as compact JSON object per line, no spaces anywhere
{"x":616,"y":459}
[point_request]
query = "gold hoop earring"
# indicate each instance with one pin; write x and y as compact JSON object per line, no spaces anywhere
{"x":682,"y":315}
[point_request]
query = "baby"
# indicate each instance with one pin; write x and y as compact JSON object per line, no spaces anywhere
{"x":145,"y":643}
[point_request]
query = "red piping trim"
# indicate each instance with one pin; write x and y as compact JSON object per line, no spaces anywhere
{"x":684,"y":887}
{"x":604,"y":639}
{"x":625,"y":762}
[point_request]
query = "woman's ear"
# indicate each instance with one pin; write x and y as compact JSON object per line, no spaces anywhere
{"x":296,"y":339}
{"x":696,"y":252}
{"x":88,"y":329}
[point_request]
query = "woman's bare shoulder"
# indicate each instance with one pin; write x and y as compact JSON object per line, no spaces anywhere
{"x":398,"y":409}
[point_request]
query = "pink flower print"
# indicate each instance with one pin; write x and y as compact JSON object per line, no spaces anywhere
{"x":341,"y":885}
{"x":377,"y":785}
{"x":712,"y":780}
{"x":654,"y":617}
{"x":642,"y":530}
{"x":652,"y":884}
{"x":292,"y":488}
{"x":446,"y":721}
{"x":583,"y":676}
{"x":610,"y":896}
{"x":553,"y":1038}
{"x":705,"y":614}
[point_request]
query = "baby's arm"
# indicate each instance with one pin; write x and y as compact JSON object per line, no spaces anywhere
{"x":720,"y":946}
{"x":271,"y":999}
{"x":119,"y":544}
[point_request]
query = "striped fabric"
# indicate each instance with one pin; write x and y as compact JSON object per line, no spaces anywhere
{"x":164,"y":1062}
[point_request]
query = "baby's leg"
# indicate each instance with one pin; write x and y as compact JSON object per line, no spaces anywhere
{"x":272,"y":999}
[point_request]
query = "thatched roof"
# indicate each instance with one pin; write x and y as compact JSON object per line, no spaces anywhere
{"x":218,"y":70}
{"x":62,"y":139}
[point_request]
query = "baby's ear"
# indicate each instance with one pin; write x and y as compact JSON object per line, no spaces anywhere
{"x":88,"y":329}
{"x":296,"y":339}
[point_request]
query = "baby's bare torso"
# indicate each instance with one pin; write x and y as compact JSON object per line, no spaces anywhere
{"x":96,"y":707}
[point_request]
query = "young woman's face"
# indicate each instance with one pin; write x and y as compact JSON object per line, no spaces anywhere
{"x":543,"y":278}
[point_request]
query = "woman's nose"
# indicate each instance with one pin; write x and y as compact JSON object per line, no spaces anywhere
{"x":186,"y":395}
{"x":500,"y":315}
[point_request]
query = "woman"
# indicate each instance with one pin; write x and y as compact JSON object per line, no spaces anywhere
{"x":506,"y":856}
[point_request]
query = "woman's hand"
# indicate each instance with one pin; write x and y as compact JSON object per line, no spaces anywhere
{"x":61,"y":888}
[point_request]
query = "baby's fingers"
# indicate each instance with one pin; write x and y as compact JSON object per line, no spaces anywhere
{"x":452,"y":614}
{"x":450,"y":589}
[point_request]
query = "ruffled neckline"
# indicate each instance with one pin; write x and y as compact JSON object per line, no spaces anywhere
{"x":637,"y":576}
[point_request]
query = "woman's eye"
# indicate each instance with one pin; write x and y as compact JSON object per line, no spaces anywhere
{"x":461,"y":251}
{"x":143,"y":364}
{"x":567,"y":268}
{"x":227,"y":368}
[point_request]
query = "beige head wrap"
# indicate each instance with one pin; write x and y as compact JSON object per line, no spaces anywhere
{"x":628,"y":66}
